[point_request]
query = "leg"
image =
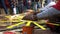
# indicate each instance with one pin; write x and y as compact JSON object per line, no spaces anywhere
{"x":4,"y":6}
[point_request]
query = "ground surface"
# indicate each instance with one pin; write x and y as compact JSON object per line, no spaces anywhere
{"x":37,"y":31}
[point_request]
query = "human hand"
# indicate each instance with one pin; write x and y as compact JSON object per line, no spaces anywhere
{"x":31,"y":12}
{"x":30,"y":17}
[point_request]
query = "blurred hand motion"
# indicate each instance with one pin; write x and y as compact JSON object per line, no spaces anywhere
{"x":30,"y":15}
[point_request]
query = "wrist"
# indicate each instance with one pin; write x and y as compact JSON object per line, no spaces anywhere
{"x":35,"y":17}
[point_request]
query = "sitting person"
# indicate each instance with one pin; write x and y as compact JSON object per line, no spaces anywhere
{"x":53,"y":11}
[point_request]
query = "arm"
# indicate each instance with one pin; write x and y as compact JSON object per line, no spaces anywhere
{"x":54,"y":10}
{"x":48,"y":6}
{"x":48,"y":13}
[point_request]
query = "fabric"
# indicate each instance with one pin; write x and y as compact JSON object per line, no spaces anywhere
{"x":54,"y":10}
{"x":36,"y":6}
{"x":57,"y":6}
{"x":48,"y":13}
{"x":8,"y":33}
{"x":7,"y":3}
{"x":48,"y":1}
{"x":27,"y":4}
{"x":11,"y":5}
{"x":48,"y":6}
{"x":2,"y":2}
{"x":14,"y":10}
{"x":20,"y":7}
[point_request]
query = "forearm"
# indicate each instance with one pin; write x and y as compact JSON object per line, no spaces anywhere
{"x":48,"y":13}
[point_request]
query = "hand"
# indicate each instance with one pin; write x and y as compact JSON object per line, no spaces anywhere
{"x":30,"y":17}
{"x":31,"y":12}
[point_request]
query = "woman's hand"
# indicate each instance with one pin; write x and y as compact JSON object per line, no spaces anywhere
{"x":30,"y":17}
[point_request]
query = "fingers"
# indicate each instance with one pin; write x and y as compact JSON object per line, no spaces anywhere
{"x":28,"y":17}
